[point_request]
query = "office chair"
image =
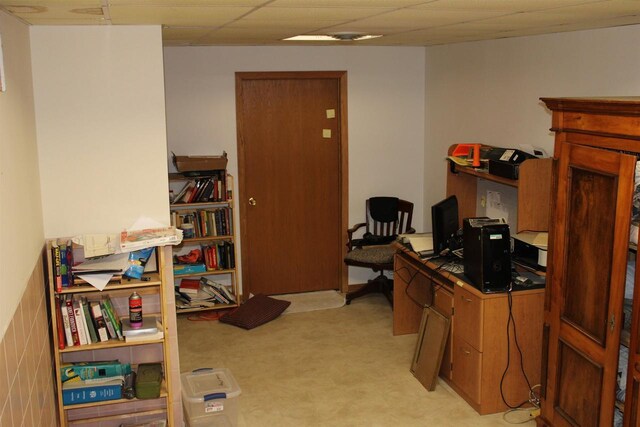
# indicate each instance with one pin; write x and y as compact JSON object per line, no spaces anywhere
{"x":386,"y":217}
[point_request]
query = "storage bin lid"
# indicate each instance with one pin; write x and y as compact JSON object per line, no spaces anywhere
{"x":208,"y":383}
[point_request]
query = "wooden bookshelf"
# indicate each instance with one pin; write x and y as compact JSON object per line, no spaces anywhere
{"x":228,"y":274}
{"x":152,"y":290}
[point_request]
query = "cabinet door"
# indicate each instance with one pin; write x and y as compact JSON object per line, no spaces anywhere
{"x":589,"y":243}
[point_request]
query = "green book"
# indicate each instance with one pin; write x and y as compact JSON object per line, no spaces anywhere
{"x":89,"y":320}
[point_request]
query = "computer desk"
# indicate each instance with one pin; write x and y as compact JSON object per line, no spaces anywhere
{"x":475,"y":356}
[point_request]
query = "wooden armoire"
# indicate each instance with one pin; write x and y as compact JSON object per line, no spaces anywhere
{"x":597,"y":145}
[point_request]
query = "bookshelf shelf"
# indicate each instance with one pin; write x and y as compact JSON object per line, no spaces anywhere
{"x":214,"y":229}
{"x":153,"y":282}
{"x":97,"y":309}
{"x":207,"y":273}
{"x":163,"y":395}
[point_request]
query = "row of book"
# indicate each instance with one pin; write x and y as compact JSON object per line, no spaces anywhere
{"x":203,"y":292}
{"x":214,"y":256}
{"x":62,"y":263}
{"x":209,"y":189}
{"x":82,"y":322}
{"x":206,"y":222}
{"x":84,"y":382}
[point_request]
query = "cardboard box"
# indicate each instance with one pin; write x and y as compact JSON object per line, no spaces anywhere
{"x":200,"y":163}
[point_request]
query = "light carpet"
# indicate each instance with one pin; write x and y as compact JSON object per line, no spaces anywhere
{"x":312,"y":301}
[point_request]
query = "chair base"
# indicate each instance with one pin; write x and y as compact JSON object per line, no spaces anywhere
{"x":381,"y":284}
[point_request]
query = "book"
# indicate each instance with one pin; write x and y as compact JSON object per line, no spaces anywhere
{"x":223,"y":289}
{"x":215,"y":294}
{"x":65,"y":248}
{"x":113,"y":316}
{"x":81,"y":371}
{"x":82,"y":329}
{"x":56,"y":266}
{"x":189,"y":286}
{"x":107,"y":321}
{"x":72,"y":321}
{"x":158,"y":335}
{"x":66,"y":322}
{"x":180,"y":194}
{"x":75,"y":393}
{"x":101,"y":326}
{"x":89,"y":320}
{"x":60,"y":325}
{"x":188,"y":268}
{"x":149,"y":325}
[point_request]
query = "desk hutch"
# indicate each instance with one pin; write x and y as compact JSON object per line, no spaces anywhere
{"x":475,"y":355}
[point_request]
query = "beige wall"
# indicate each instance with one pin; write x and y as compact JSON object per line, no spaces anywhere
{"x":385,"y":110}
{"x":20,"y":209}
{"x":101,"y":127}
{"x":489,"y":91}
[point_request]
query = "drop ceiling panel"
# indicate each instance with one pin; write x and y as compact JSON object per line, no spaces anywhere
{"x":79,"y":14}
{"x":311,"y":13}
{"x":412,"y":18}
{"x":176,"y":16}
{"x":391,"y":4}
{"x":153,"y":3}
{"x":506,"y":6}
{"x":49,"y":3}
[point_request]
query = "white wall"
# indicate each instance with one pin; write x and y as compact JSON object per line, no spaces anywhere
{"x":101,"y":126}
{"x":489,"y":91}
{"x":385,"y":111}
{"x":20,"y":209}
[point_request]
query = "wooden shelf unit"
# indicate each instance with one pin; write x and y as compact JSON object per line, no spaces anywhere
{"x":152,"y":289}
{"x":597,"y":149}
{"x":196,"y":242}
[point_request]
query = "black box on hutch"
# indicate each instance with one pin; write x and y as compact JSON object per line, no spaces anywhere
{"x":508,"y":164}
{"x":487,"y":258}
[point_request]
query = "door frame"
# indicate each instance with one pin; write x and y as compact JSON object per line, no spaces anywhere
{"x":343,"y":172}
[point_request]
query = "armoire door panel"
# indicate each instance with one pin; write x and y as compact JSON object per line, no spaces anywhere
{"x":579,"y":387}
{"x":589,"y":237}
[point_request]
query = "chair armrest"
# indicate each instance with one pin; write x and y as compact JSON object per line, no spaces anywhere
{"x":355,"y":228}
{"x":350,"y":232}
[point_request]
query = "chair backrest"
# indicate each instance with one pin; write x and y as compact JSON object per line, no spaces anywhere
{"x":388,"y":216}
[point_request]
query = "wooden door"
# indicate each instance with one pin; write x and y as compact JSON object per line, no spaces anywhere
{"x":590,"y":241}
{"x":292,"y":176}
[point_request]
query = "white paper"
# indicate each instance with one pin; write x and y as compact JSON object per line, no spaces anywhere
{"x":98,"y":244}
{"x":495,"y":208}
{"x":98,"y":281}
{"x":111,"y":262}
{"x":144,"y":222}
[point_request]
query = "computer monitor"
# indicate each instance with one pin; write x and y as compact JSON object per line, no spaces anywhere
{"x":444,"y":222}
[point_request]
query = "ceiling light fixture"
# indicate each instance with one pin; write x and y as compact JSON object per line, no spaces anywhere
{"x":332,"y":37}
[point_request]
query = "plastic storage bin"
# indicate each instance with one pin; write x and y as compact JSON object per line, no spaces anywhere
{"x":210,"y":397}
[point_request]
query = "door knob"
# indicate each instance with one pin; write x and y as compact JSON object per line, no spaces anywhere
{"x":252,"y":201}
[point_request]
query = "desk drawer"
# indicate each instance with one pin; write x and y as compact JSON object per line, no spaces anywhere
{"x":467,"y":368}
{"x":468,"y":317}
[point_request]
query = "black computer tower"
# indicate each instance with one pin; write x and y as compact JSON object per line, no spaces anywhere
{"x":487,"y":261}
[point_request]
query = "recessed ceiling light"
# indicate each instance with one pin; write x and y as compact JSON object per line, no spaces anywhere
{"x":332,"y":37}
